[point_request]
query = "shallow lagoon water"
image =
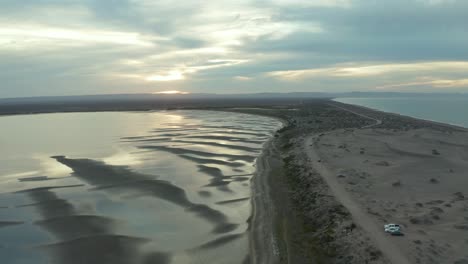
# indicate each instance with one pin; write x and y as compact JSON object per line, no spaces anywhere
{"x":156,"y":187}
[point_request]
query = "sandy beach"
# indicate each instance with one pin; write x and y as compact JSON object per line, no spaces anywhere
{"x":348,"y":171}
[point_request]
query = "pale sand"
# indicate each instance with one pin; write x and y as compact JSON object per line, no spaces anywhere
{"x":324,"y":201}
{"x":417,"y":178}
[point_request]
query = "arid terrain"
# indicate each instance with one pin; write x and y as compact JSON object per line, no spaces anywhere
{"x":335,"y":174}
{"x":415,"y":178}
{"x":348,"y":170}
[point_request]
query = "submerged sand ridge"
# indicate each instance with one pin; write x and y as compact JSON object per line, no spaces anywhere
{"x":184,"y":199}
{"x":82,"y":238}
{"x":120,"y":180}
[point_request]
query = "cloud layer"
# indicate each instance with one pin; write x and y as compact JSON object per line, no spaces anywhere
{"x":63,"y":47}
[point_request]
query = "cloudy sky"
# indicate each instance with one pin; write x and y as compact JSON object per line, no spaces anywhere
{"x":68,"y":47}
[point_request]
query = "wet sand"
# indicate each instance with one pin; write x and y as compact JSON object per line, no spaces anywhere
{"x":194,"y":190}
{"x":264,"y":239}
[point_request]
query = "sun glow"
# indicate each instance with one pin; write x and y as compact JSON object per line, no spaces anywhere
{"x":171,"y":92}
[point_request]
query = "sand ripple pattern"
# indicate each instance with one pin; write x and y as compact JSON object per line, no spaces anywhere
{"x":182,"y":197}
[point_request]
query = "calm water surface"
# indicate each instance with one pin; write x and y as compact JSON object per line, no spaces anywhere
{"x":446,"y":110}
{"x":159,"y":187}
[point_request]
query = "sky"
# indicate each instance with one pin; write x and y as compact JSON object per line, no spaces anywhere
{"x":77,"y":47}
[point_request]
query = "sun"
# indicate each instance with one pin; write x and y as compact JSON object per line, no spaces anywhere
{"x":171,"y":92}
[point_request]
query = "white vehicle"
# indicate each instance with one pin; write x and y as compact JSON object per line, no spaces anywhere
{"x":390,"y":228}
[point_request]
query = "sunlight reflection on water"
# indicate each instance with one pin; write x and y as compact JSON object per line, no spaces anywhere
{"x":164,"y":187}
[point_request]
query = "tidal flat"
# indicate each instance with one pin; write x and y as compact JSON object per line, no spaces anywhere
{"x":127,"y":187}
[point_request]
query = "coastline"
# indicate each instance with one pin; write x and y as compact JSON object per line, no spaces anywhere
{"x":298,"y":218}
{"x":398,"y":114}
{"x":297,"y":243}
{"x":264,"y":247}
{"x":314,"y":226}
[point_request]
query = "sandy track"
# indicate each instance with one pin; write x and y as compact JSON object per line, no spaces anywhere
{"x":373,"y":229}
{"x":377,"y":121}
{"x":361,"y":218}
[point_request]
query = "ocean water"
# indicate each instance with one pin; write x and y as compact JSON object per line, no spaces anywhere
{"x":450,"y":110}
{"x":156,"y":187}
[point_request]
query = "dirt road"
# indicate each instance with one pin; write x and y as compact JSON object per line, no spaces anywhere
{"x":381,"y":240}
{"x":377,"y":121}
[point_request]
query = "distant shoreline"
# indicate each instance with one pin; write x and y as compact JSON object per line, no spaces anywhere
{"x":32,"y":108}
{"x":397,"y":113}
